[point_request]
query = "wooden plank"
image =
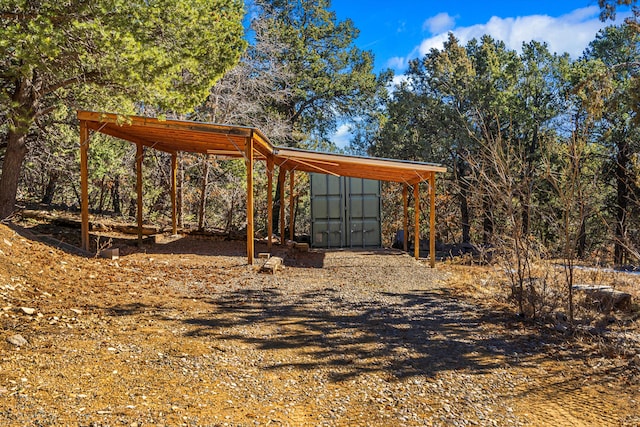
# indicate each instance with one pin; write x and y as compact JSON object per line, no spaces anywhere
{"x":174,"y":192}
{"x":250,"y":233}
{"x":272,"y":265}
{"x":84,"y":184}
{"x":269,"y":202}
{"x":405,"y":221}
{"x":117,"y":133}
{"x":354,"y":161}
{"x":139,"y":157}
{"x":167,"y":133}
{"x":301,"y":247}
{"x":432,"y":219}
{"x":282,"y":174}
{"x":291,"y":207}
{"x":416,"y":236}
{"x":315,"y":168}
{"x":165,"y":125}
{"x":111,"y":253}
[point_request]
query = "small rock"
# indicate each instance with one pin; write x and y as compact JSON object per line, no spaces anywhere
{"x":17,"y":340}
{"x":560,"y":328}
{"x":76,"y":311}
{"x":28,"y":310}
{"x":560,"y":317}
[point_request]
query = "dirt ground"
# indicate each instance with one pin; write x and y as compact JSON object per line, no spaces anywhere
{"x":185,"y":333}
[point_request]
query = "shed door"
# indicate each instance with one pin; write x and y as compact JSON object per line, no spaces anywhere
{"x":327,"y":211}
{"x":363,"y":208}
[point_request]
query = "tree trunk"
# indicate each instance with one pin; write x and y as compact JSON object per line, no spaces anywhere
{"x":132,"y":208}
{"x":179,"y":196}
{"x":525,"y":201}
{"x":487,"y":221}
{"x":50,"y":189}
{"x":582,"y":238}
{"x":622,"y":201}
{"x":11,"y":167}
{"x":525,"y":197}
{"x":203,"y":193}
{"x":115,"y":195}
{"x":232,"y":206}
{"x":276,"y":207}
{"x":465,"y":219}
{"x":20,"y":120}
{"x":101,"y":199}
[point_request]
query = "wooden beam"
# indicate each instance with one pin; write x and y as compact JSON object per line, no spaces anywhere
{"x":357,"y":161}
{"x":174,"y":192}
{"x":282,"y":175}
{"x":416,"y":236}
{"x":250,"y":234}
{"x":405,"y":222}
{"x":432,"y":219}
{"x":269,"y":201}
{"x":291,"y":207}
{"x":139,"y":157}
{"x":315,"y":168}
{"x":84,"y":184}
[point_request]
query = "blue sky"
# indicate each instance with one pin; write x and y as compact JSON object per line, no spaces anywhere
{"x":397,"y":31}
{"x":405,"y":29}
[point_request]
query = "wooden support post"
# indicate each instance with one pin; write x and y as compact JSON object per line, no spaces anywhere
{"x":416,"y":236}
{"x":405,"y":222}
{"x":282,"y":175}
{"x":269,"y":201}
{"x":432,"y":219}
{"x":139,"y":157}
{"x":174,"y":192}
{"x":291,"y":207}
{"x":84,"y":184}
{"x":249,"y":163}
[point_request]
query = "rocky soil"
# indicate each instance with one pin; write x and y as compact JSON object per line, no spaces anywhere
{"x":185,"y":333}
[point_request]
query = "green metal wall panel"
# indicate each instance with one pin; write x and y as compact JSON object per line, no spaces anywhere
{"x":345,"y":212}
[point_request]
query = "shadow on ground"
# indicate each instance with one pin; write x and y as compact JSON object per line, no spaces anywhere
{"x":422,"y":333}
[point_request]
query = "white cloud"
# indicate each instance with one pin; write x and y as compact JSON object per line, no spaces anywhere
{"x":398,"y":79}
{"x":439,"y":23}
{"x":569,"y":33}
{"x":343,"y":136}
{"x":397,"y":63}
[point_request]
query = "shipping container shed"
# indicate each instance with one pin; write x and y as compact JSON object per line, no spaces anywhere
{"x":345,"y":212}
{"x":230,"y":141}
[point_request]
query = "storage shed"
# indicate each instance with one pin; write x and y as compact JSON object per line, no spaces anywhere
{"x":229,"y":141}
{"x":345,"y":212}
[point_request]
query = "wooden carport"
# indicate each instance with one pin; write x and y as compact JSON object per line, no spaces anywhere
{"x":172,"y":136}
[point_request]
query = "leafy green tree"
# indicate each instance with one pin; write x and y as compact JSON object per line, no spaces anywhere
{"x":165,"y":53}
{"x":538,"y":101}
{"x":608,"y":7}
{"x":329,"y":77}
{"x":445,"y":80}
{"x":618,"y":47}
